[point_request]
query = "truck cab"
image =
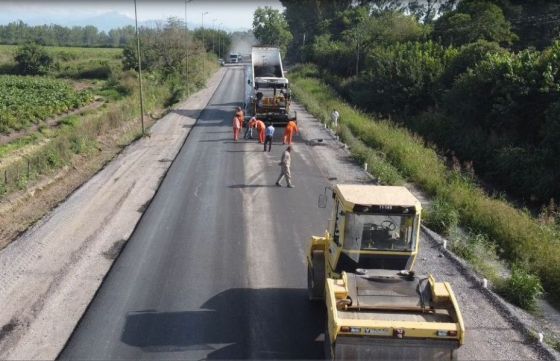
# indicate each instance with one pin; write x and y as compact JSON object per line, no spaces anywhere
{"x":234,"y":58}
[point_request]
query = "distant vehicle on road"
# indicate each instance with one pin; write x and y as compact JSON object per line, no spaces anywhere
{"x":234,"y":58}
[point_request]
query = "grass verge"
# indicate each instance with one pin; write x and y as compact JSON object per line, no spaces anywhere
{"x":520,"y":239}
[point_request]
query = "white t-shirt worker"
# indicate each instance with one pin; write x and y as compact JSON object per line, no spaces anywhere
{"x":334,"y":118}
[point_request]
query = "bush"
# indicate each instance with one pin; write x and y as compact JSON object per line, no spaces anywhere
{"x":442,"y":217}
{"x":32,"y":59}
{"x":521,"y":288}
{"x":401,"y":77}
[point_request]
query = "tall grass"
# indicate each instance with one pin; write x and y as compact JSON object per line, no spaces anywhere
{"x":522,"y":240}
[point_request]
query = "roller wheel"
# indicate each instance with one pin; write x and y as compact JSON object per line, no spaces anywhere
{"x":316,"y":276}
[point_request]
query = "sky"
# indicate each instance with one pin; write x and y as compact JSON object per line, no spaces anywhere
{"x":232,"y":15}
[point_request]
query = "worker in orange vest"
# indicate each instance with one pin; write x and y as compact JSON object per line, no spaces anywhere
{"x":260,"y":128}
{"x":236,"y":128}
{"x":289,"y":131}
{"x":239,"y":113}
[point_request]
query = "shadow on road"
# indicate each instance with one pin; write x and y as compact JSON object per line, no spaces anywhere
{"x":272,"y":323}
{"x":252,"y":186}
{"x":243,"y":151}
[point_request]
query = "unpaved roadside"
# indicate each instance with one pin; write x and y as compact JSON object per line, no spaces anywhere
{"x":49,"y":275}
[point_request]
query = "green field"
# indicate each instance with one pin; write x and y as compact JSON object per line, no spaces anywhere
{"x":28,"y":100}
{"x":69,"y":62}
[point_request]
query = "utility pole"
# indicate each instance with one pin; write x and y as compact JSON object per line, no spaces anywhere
{"x":213,"y":33}
{"x":203,"y":45}
{"x":139,"y":69}
{"x":187,"y":50}
{"x":220,"y":40}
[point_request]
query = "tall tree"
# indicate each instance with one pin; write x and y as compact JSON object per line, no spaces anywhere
{"x":306,"y":19}
{"x":474,"y":20}
{"x":270,"y":28}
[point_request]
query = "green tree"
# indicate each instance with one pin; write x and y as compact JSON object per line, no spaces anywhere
{"x":474,"y":20}
{"x":270,"y":28}
{"x":32,"y":59}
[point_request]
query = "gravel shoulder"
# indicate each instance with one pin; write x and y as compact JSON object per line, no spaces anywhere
{"x":492,"y":333}
{"x":50,"y":273}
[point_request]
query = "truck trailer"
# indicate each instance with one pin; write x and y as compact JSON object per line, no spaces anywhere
{"x":270,"y":95}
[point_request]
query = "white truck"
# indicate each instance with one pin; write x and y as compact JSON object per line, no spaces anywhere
{"x":270,"y":94}
{"x":234,"y":58}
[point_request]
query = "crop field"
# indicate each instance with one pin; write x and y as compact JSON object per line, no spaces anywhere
{"x":70,"y":62}
{"x":67,"y":54}
{"x":25,"y":101}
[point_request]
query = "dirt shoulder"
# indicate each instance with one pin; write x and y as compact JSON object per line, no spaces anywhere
{"x":51,"y":272}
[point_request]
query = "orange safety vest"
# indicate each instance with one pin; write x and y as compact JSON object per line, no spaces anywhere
{"x":236,"y":123}
{"x":292,"y":127}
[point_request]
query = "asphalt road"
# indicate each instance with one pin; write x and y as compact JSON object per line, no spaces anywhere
{"x":216,"y":267}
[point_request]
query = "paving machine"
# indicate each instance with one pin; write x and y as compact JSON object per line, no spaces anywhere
{"x":377,"y":307}
{"x":270,"y":96}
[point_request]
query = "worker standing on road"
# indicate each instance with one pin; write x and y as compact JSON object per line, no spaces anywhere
{"x":289,"y":132}
{"x":260,"y":128}
{"x":334,"y":118}
{"x":269,"y":134}
{"x":236,"y":128}
{"x":285,"y":163}
{"x":249,"y":129}
{"x":239,"y":113}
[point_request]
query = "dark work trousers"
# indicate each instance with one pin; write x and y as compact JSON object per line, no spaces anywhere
{"x":268,"y":140}
{"x":248,"y":133}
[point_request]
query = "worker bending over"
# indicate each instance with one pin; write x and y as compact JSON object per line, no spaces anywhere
{"x":260,"y":128}
{"x":289,"y":131}
{"x":249,"y":129}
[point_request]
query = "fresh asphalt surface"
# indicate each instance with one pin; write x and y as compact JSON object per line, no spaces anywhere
{"x":216,"y":267}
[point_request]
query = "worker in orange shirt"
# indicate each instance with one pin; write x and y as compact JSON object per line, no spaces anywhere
{"x":261,"y":129}
{"x":236,"y":128}
{"x":289,"y":132}
{"x":239,"y":113}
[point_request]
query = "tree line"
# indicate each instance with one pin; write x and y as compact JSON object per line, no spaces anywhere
{"x":16,"y":33}
{"x":480,"y":79}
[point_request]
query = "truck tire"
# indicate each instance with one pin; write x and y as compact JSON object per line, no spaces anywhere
{"x":316,"y":276}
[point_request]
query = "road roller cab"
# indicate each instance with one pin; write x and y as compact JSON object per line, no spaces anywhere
{"x":377,"y":307}
{"x":371,"y":227}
